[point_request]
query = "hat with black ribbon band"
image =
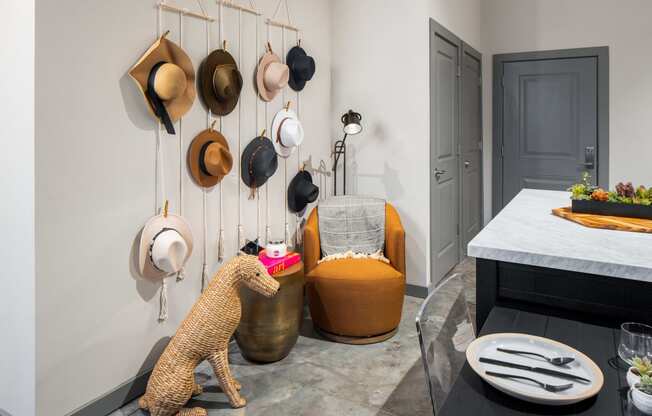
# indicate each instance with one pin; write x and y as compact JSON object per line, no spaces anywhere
{"x":157,"y":104}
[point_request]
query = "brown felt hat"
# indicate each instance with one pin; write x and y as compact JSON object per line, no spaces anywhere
{"x":209,"y":158}
{"x":168,"y":70}
{"x":220,"y":82}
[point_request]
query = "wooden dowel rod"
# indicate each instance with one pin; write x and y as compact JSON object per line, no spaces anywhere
{"x":185,"y":12}
{"x":238,"y":7}
{"x":281,"y":24}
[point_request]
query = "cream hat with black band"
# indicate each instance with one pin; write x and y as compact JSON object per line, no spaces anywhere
{"x":166,"y":78}
{"x":287,"y":132}
{"x":165,"y":245}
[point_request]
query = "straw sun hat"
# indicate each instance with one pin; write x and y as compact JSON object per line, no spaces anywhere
{"x":166,"y":78}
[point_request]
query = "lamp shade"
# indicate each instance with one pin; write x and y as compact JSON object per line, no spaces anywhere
{"x":351,"y":121}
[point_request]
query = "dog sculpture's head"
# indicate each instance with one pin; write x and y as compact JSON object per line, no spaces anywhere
{"x":255,"y":276}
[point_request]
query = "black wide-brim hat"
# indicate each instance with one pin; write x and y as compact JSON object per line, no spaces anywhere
{"x":259,"y":162}
{"x":302,"y":68}
{"x":301,"y":191}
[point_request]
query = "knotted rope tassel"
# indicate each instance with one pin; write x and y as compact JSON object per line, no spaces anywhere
{"x":204,"y":276}
{"x":163,"y":313}
{"x":288,"y":240}
{"x":241,"y":236}
{"x":220,"y":246}
{"x":298,"y":235}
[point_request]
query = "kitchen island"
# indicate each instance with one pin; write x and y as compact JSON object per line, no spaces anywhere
{"x":528,"y":258}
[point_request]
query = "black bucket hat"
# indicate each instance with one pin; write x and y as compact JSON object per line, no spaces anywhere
{"x":258,"y":162}
{"x":301,"y":191}
{"x":302,"y":68}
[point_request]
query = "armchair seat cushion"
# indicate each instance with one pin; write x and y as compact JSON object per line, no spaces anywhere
{"x":355,"y":297}
{"x":354,"y":269}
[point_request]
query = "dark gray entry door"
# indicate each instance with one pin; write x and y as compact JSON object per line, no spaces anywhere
{"x":549,"y":123}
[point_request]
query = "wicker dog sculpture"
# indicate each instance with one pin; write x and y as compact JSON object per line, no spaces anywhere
{"x":204,"y":335}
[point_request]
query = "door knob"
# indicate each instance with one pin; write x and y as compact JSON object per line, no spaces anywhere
{"x":467,"y":163}
{"x":439,"y":172}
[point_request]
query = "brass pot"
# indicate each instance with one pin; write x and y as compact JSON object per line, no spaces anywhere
{"x":269,"y":327}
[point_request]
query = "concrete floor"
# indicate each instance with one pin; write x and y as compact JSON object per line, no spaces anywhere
{"x":324,"y":378}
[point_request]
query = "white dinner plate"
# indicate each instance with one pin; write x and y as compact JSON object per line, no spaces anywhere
{"x":583,"y":366}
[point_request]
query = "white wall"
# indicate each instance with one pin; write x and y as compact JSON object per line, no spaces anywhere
{"x":624,"y":26}
{"x":95,"y":182}
{"x":380,"y":68}
{"x":17,"y":210}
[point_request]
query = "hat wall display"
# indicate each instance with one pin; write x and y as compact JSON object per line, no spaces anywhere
{"x":287,"y":132}
{"x":166,"y":78}
{"x":165,"y":246}
{"x":220,"y":82}
{"x":209,"y":158}
{"x":302,"y":68}
{"x":259,"y":162}
{"x":301,"y":191}
{"x":271,"y":76}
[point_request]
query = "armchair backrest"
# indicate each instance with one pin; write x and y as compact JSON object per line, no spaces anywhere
{"x":394,"y":240}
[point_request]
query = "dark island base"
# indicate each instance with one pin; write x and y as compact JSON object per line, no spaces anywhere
{"x":583,"y":297}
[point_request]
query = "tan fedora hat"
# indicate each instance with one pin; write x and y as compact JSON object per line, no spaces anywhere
{"x":271,"y":76}
{"x":166,"y":78}
{"x":165,"y":246}
{"x":220,"y":82}
{"x":209,"y":158}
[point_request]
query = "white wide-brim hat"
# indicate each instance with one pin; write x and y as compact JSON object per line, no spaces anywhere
{"x":287,"y":132}
{"x":165,"y":246}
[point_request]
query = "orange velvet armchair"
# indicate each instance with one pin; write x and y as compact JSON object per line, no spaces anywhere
{"x":356,"y":301}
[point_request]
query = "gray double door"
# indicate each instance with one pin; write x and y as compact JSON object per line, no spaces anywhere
{"x":455,"y":149}
{"x":547,"y":120}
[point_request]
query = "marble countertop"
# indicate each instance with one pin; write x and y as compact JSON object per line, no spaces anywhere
{"x":526,"y":232}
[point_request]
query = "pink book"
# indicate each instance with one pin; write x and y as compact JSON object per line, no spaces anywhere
{"x":275,"y":266}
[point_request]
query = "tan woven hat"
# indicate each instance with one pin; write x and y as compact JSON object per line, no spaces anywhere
{"x":165,"y":246}
{"x":166,"y":78}
{"x":271,"y":76}
{"x":209,"y":158}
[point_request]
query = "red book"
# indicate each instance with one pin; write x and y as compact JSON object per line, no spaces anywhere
{"x":275,"y":266}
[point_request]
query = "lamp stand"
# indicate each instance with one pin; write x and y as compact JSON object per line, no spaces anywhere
{"x":339,"y":151}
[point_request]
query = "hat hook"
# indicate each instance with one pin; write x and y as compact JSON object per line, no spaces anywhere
{"x":287,"y":106}
{"x":269,"y":47}
{"x":165,"y":208}
{"x":263,"y":133}
{"x":224,"y":44}
{"x":299,"y":42}
{"x":212,"y":128}
{"x":165,"y":34}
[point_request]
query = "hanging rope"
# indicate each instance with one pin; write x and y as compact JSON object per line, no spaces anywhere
{"x":240,"y":230}
{"x":257,"y":130}
{"x":220,"y":236}
{"x":297,"y":233}
{"x":268,"y":228}
{"x":181,"y":274}
{"x":204,"y":265}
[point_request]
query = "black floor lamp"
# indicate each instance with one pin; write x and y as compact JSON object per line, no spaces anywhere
{"x":351,"y":121}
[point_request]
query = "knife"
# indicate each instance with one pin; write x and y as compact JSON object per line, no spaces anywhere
{"x":539,"y":370}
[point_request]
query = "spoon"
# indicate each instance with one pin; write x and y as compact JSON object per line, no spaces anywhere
{"x":558,"y":361}
{"x":548,"y":387}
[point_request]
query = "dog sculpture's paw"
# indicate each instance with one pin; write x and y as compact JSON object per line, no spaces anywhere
{"x":237,"y":402}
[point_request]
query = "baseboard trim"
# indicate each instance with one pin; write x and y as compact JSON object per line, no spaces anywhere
{"x":416,"y":291}
{"x":115,"y":399}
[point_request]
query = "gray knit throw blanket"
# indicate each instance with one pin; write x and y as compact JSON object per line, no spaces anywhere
{"x":351,"y":223}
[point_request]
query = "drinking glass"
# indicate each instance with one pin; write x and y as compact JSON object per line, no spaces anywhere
{"x":635,"y":341}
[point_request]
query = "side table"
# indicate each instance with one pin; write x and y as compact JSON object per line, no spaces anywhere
{"x":269,"y":327}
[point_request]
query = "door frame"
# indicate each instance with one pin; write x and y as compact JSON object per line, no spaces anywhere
{"x":602,"y":55}
{"x":462,"y":47}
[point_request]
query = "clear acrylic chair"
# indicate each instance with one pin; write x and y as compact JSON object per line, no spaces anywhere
{"x":445,"y":331}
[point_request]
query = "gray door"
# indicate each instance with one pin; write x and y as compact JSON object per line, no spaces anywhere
{"x":444,"y":142}
{"x":471,"y":145}
{"x":549,"y":123}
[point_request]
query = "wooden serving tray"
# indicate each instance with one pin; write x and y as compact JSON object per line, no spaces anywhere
{"x":638,"y":225}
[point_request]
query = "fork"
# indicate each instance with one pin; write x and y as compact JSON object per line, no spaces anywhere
{"x":558,"y":361}
{"x":548,"y":387}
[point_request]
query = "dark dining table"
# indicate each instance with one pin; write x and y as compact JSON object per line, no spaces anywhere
{"x":471,"y":396}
